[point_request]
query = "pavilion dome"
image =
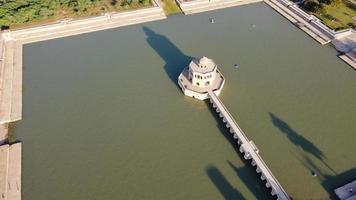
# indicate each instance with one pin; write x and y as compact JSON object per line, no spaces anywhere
{"x":202,"y":65}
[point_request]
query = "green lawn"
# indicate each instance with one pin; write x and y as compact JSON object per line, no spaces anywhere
{"x":170,"y":7}
{"x":338,"y":15}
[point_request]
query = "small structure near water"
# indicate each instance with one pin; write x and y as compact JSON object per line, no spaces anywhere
{"x":346,"y":192}
{"x":199,"y":77}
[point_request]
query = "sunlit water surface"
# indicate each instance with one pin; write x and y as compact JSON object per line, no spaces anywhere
{"x":103,"y":117}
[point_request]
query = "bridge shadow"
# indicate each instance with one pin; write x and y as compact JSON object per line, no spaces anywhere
{"x":247,"y":174}
{"x":224,"y":187}
{"x":175,"y":59}
{"x":222,"y":129}
{"x":253,"y":186}
{"x":296,"y":138}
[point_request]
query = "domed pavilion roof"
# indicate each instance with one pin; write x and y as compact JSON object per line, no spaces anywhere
{"x":202,"y":65}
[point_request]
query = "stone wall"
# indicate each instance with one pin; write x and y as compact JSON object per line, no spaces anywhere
{"x":311,"y":22}
{"x":197,"y":6}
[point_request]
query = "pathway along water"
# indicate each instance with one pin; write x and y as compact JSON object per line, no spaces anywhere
{"x":103,"y":117}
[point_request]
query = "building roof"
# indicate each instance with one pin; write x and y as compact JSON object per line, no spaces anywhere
{"x":216,"y":84}
{"x":202,"y":65}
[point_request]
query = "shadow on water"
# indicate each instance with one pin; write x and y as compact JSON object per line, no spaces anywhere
{"x":175,"y":59}
{"x":299,"y":140}
{"x":223,"y":130}
{"x":296,"y":138}
{"x":247,"y":174}
{"x":252,"y":185}
{"x":220,"y":182}
{"x":329,"y":182}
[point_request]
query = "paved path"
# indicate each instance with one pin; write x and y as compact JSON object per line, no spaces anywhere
{"x":10,"y":172}
{"x":343,"y":41}
{"x":14,"y":176}
{"x":3,"y":133}
{"x":197,"y":6}
{"x":248,"y":148}
{"x":299,"y":21}
{"x":4,"y":159}
{"x":75,"y":27}
{"x":347,"y":46}
{"x":11,"y":83}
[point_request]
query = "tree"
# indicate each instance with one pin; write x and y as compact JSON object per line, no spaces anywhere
{"x":311,"y":5}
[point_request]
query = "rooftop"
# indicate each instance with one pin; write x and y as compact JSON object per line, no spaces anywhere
{"x":202,"y":65}
{"x":217,"y":83}
{"x":346,"y":192}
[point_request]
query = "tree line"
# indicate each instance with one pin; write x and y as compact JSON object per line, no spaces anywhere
{"x":317,"y":5}
{"x":23,"y":11}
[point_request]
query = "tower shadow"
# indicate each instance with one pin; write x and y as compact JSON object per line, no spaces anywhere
{"x":175,"y":59}
{"x":224,"y":187}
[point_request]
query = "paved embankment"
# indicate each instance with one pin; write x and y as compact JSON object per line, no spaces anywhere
{"x":75,"y":27}
{"x":350,"y":58}
{"x":197,"y":6}
{"x":10,"y":171}
{"x":11,"y":83}
{"x":3,"y":133}
{"x":4,"y":160}
{"x":347,"y":47}
{"x":308,"y":23}
{"x":248,"y":148}
{"x":12,"y":41}
{"x":313,"y":26}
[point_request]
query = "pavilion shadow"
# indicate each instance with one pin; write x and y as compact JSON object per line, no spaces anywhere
{"x":175,"y":59}
{"x":220,"y":182}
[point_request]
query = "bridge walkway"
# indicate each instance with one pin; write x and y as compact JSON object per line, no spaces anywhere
{"x":248,"y":148}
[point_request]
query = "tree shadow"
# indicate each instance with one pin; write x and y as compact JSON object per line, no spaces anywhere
{"x":296,"y":138}
{"x":175,"y":59}
{"x":220,"y":182}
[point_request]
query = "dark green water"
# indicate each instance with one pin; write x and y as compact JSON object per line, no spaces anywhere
{"x":103,"y":117}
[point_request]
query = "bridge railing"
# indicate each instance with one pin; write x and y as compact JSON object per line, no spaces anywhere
{"x":229,"y":117}
{"x":271,"y":179}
